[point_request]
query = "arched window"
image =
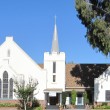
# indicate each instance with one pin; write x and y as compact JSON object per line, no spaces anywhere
{"x":0,"y":87}
{"x":5,"y":84}
{"x":11,"y":88}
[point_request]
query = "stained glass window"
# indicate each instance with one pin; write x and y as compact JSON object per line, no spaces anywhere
{"x":11,"y":88}
{"x":5,"y":84}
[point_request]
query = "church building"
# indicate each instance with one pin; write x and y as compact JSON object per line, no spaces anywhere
{"x":54,"y":76}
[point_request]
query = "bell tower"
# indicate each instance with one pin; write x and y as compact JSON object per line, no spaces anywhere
{"x":54,"y":63}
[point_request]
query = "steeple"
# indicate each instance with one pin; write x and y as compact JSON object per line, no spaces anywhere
{"x":55,"y":46}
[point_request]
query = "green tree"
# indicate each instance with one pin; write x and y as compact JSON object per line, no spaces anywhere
{"x":73,"y":97}
{"x":95,"y":16}
{"x":25,"y":91}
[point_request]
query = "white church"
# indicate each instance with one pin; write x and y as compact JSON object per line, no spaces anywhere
{"x":54,"y":76}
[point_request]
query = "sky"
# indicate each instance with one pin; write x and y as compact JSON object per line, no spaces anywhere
{"x":31,"y":23}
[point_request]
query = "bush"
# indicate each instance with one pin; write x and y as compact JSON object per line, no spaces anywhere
{"x":104,"y":103}
{"x":86,"y":100}
{"x":8,"y":105}
{"x":35,"y":103}
{"x":38,"y":108}
{"x":103,"y":106}
{"x":73,"y":97}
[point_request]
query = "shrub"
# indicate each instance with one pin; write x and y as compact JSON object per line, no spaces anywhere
{"x":36,"y":108}
{"x":35,"y":103}
{"x":8,"y":105}
{"x":103,"y":106}
{"x":86,"y":100}
{"x":73,"y":97}
{"x":39,"y":108}
{"x":104,"y":103}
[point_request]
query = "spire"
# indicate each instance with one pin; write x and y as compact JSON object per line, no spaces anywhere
{"x":55,"y":46}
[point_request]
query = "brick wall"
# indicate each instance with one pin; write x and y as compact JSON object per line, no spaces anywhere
{"x":42,"y":103}
{"x":9,"y":101}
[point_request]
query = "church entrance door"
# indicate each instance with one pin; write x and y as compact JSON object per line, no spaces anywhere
{"x":53,"y":100}
{"x":79,"y":99}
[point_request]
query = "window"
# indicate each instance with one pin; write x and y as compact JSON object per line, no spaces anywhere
{"x":8,"y":53}
{"x":11,"y":88}
{"x":54,"y":71}
{"x":107,"y":95}
{"x":5,"y":85}
{"x":54,"y":78}
{"x":0,"y":87}
{"x":54,"y":67}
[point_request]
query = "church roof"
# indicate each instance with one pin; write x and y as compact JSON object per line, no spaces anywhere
{"x":82,"y":75}
{"x":41,"y":65}
{"x":71,"y":80}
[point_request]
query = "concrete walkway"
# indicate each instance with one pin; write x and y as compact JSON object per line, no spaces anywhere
{"x":54,"y":107}
{"x":66,"y":109}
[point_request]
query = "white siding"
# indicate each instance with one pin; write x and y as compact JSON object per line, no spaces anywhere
{"x":20,"y":63}
{"x":59,"y":58}
{"x":101,"y":84}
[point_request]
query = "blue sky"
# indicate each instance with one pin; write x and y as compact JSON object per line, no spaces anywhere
{"x":31,"y":23}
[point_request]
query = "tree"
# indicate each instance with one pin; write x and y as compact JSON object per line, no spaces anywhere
{"x":25,"y":91}
{"x":95,"y":16}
